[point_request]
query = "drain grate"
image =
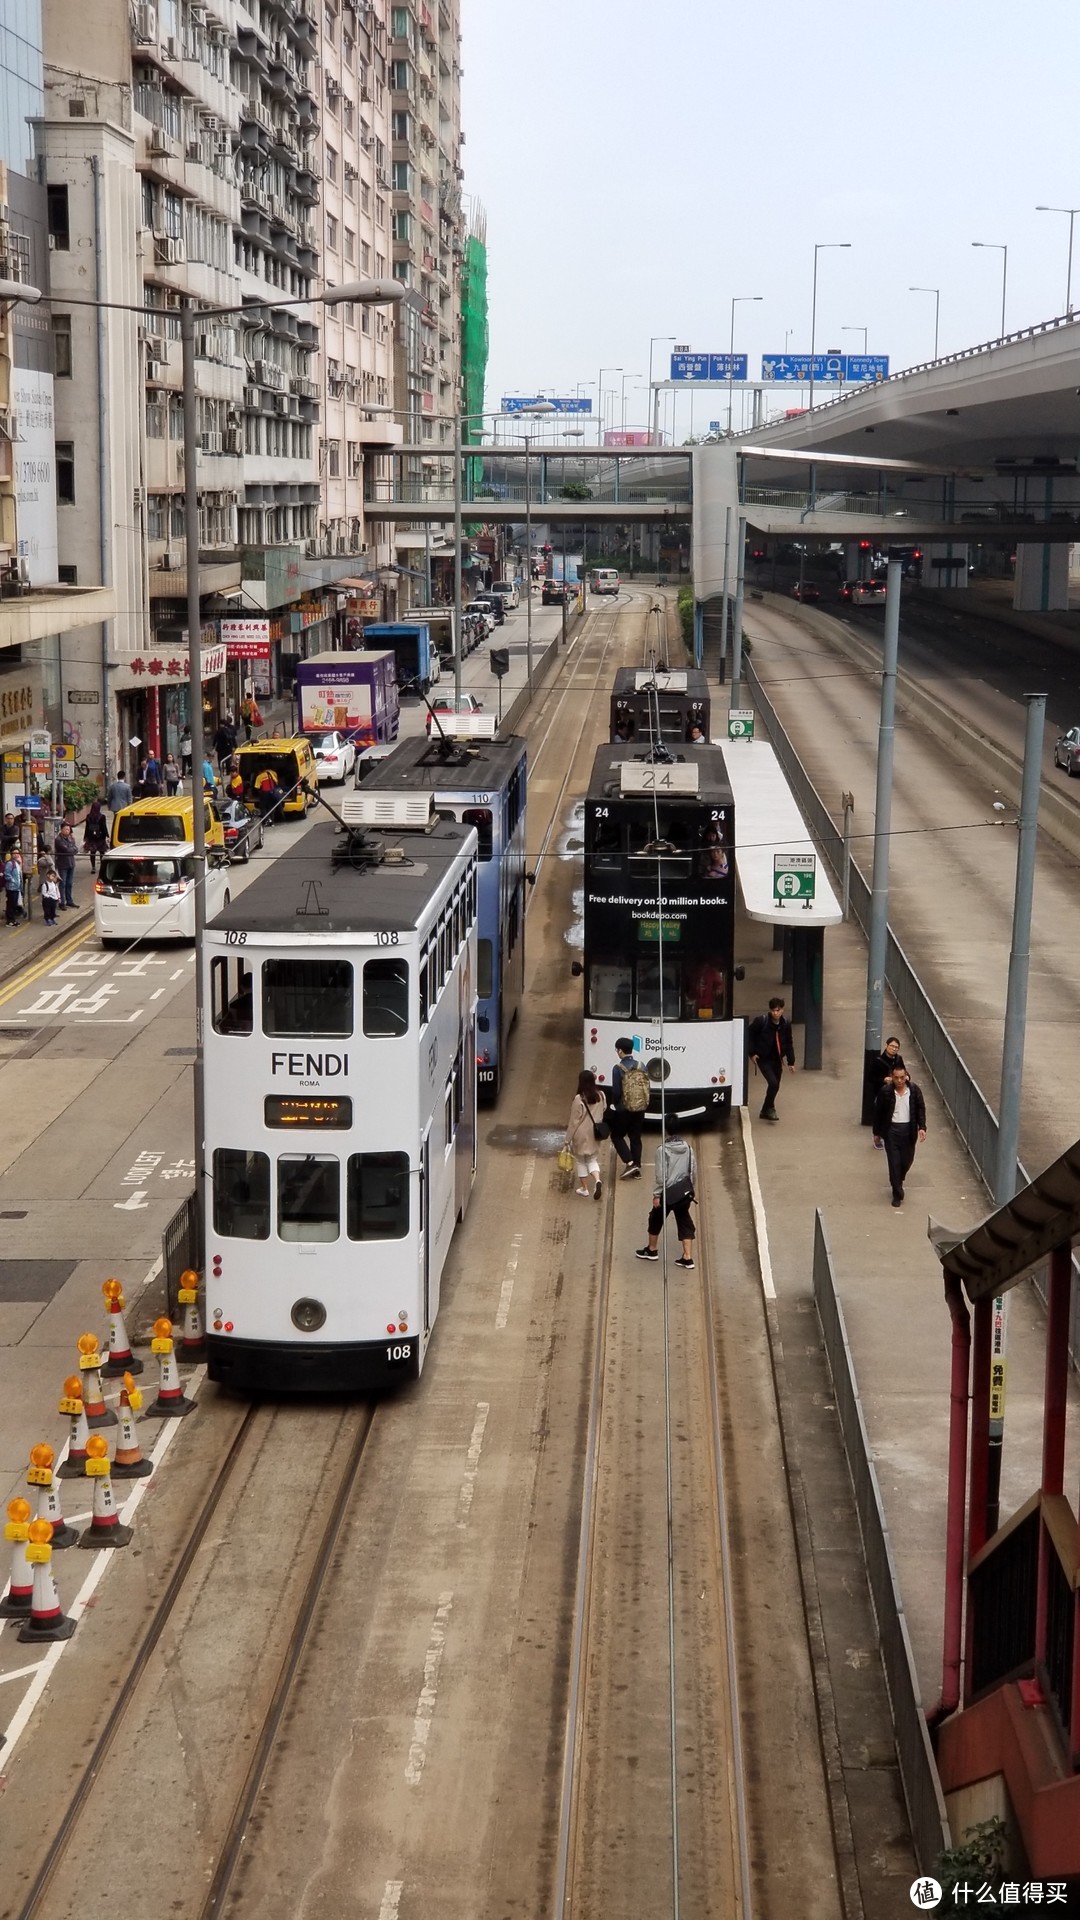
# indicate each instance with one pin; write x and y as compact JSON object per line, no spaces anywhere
{"x":180,"y":1053}
{"x":17,"y":1033}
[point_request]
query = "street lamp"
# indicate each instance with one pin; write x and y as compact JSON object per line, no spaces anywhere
{"x":936,"y":291}
{"x":739,"y":300}
{"x":1072,"y":213}
{"x":600,"y":393}
{"x":997,"y":246}
{"x":863,"y":330}
{"x":820,"y":246}
{"x":542,"y":406}
{"x":655,"y":396}
{"x":625,"y":378}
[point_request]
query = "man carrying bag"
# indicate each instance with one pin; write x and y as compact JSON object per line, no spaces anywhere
{"x":676,"y":1174}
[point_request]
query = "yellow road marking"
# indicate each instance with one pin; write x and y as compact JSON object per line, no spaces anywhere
{"x":44,"y":964}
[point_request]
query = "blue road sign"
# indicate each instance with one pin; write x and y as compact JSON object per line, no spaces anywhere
{"x":28,"y":802}
{"x":829,"y":368}
{"x":517,"y":403}
{"x":714,"y":426}
{"x":708,"y":366}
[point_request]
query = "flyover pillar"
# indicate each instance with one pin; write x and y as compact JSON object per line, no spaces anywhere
{"x":1042,"y":578}
{"x":945,"y":564}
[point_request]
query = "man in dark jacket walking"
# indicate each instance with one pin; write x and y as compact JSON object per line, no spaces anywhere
{"x":65,"y":854}
{"x":770,"y":1045}
{"x":899,"y":1125}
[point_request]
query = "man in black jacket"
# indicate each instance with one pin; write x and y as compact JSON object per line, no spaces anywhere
{"x":770,"y":1046}
{"x":899,"y":1124}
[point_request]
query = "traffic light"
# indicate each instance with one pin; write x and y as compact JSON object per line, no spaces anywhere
{"x":545,"y":551}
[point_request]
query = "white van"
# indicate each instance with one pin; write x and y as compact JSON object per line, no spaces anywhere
{"x":507,"y":592}
{"x":603,"y":580}
{"x":148,"y":892}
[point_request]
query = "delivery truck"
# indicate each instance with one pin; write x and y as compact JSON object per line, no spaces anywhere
{"x":351,"y":693}
{"x":417,"y":654}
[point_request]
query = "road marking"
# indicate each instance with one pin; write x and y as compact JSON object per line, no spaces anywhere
{"x":527,"y":1178}
{"x":761,"y":1225}
{"x":472,"y":1459}
{"x":157,"y":993}
{"x":20,"y":1673}
{"x":425,"y":1705}
{"x":391,"y":1899}
{"x":35,"y":969}
{"x":506,"y":1292}
{"x":179,"y":974}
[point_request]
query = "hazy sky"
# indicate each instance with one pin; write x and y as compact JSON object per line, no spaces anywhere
{"x":641,"y":164}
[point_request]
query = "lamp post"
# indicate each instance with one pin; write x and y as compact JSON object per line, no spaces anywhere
{"x":542,"y":406}
{"x":600,"y":394}
{"x":936,"y":291}
{"x":820,"y":246}
{"x":739,"y":300}
{"x":863,"y":330}
{"x":625,"y":378}
{"x":655,"y":394}
{"x":1072,"y":213}
{"x":998,"y":246}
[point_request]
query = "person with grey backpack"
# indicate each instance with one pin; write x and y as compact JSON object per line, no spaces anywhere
{"x":676,"y":1175}
{"x":631,"y":1091}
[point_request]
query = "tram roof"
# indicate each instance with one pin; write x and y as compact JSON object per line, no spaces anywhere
{"x":634,"y":679}
{"x":416,"y":766}
{"x":302,"y":892}
{"x":714,"y":782}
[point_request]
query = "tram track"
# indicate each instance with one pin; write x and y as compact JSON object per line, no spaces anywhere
{"x":176,"y":1655}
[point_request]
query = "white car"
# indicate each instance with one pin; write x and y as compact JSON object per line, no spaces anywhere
{"x":477,"y":606}
{"x":335,"y":756}
{"x":148,"y":892}
{"x":508,"y":593}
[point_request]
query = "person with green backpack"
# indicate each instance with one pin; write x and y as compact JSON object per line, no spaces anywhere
{"x":631,"y":1092}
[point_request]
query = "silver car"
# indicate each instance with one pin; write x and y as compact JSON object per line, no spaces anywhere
{"x":1067,"y":751}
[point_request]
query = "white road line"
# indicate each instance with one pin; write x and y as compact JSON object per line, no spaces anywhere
{"x":472,"y":1463}
{"x":425,"y":1705}
{"x":178,"y":975}
{"x":20,"y":1673}
{"x":761,"y":1225}
{"x":506,"y":1291}
{"x":156,"y":995}
{"x":392,"y":1893}
{"x":527,"y":1178}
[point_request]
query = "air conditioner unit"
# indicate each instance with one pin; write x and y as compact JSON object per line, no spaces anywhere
{"x":232,"y":441}
{"x":169,"y":562}
{"x":145,"y":24}
{"x":193,"y":150}
{"x":168,"y":251}
{"x":171,"y":48}
{"x":138,"y":499}
{"x":210,"y":442}
{"x":281,"y":403}
{"x":160,"y":144}
{"x":251,"y":397}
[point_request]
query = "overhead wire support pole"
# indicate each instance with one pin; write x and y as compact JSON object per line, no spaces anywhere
{"x":458,"y":537}
{"x":879,"y":897}
{"x":198,"y":749}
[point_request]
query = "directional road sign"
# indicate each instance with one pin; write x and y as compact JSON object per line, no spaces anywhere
{"x":708,"y":366}
{"x":829,"y":368}
{"x":740,"y":723}
{"x":28,"y":802}
{"x":794,"y":877}
{"x":519,"y":402}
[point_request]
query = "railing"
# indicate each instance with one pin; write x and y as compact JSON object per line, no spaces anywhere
{"x":1002,"y":1587}
{"x":412,"y":492}
{"x":918,"y":1772}
{"x":181,"y":1247}
{"x":1057,"y":1664}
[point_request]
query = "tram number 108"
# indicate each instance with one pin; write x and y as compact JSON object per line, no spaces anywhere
{"x":396,"y":1355}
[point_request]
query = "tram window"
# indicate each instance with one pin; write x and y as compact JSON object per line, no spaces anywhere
{"x":607,"y":836}
{"x":712,"y":862}
{"x":241,"y":1194}
{"x":309,"y":997}
{"x":705,"y":991}
{"x":485,"y":981}
{"x":386,"y":998}
{"x":483,"y":820}
{"x":377,"y":1186}
{"x":308,"y":1199}
{"x":648,"y":990}
{"x":232,"y":999}
{"x":610,"y":992}
{"x":424,"y":1004}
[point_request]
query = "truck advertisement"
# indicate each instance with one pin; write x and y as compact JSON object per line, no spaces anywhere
{"x":353,"y":693}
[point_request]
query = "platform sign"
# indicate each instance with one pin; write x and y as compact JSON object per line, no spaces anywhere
{"x":740,"y":723}
{"x":794,"y":877}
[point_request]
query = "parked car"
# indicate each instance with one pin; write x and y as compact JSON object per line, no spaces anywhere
{"x":1067,"y":751}
{"x":146,"y":891}
{"x":243,"y":831}
{"x":444,"y":703}
{"x":483,"y":613}
{"x":474,"y":630}
{"x":493,"y":602}
{"x":806,"y":591}
{"x":554,"y":593}
{"x":335,"y":755}
{"x":868,"y":593}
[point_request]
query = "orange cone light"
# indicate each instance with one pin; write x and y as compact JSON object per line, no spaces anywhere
{"x":71,"y":1403}
{"x":15,"y":1604}
{"x":129,"y":1462}
{"x":105,"y":1529}
{"x":46,"y":1621}
{"x":121,"y":1359}
{"x":40,"y":1475}
{"x":171,"y":1402}
{"x":97,"y":1413}
{"x":192,"y":1329}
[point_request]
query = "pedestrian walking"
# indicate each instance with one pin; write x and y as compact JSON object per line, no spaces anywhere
{"x":95,"y":833}
{"x":151,"y":780}
{"x":50,"y":896}
{"x":118,"y":793}
{"x":185,"y":753}
{"x":9,"y":835}
{"x":584,"y":1128}
{"x":631,"y":1092}
{"x":770,"y":1047}
{"x":170,"y":773}
{"x":13,"y":887}
{"x":65,"y":854}
{"x":899,"y":1127}
{"x":881,"y":1068}
{"x":225,"y":743}
{"x":676,"y":1175}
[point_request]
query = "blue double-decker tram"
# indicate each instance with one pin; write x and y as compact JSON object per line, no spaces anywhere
{"x":481,"y":782}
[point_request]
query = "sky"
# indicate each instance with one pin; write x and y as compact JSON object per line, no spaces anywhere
{"x":641,"y":165}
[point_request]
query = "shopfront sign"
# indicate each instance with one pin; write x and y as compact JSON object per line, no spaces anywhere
{"x":214,"y":661}
{"x":246,"y":639}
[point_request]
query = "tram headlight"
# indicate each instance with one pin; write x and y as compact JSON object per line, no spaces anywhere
{"x":308,"y":1316}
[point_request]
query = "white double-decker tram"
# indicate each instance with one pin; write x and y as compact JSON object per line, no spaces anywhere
{"x":340,"y":1064}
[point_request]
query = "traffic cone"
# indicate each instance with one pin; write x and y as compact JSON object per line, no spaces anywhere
{"x":41,"y":1476}
{"x":105,"y":1529}
{"x":193,"y":1331}
{"x":171,"y":1401}
{"x":15,"y":1604}
{"x":97,"y":1413}
{"x":121,"y":1359}
{"x":129,"y":1462}
{"x":46,"y":1621}
{"x":71,"y":1466}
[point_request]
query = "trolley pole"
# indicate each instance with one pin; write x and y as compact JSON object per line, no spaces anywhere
{"x":736,"y":638}
{"x":1012,"y":1074}
{"x":879,"y":900}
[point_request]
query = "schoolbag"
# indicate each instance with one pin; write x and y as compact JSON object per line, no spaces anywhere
{"x":636,"y":1089}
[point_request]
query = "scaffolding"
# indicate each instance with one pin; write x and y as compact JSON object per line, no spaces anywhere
{"x":474,"y":324}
